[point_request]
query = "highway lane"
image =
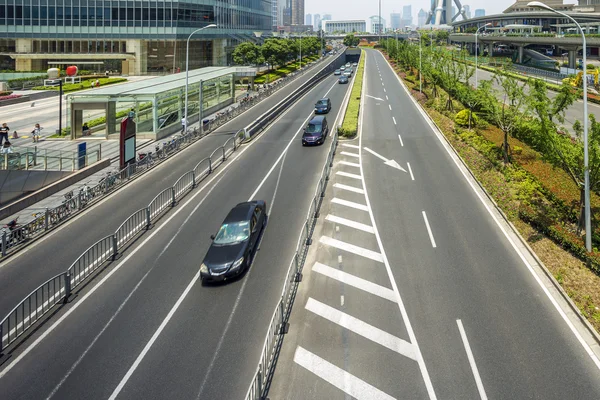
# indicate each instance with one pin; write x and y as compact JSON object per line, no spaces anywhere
{"x":187,"y":353}
{"x":455,"y":264}
{"x":412,"y":290}
{"x":53,"y":254}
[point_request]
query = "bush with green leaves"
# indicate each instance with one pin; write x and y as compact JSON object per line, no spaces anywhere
{"x":462,"y":118}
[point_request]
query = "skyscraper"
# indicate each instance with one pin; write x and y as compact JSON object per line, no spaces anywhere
{"x":297,"y":12}
{"x":308,"y":19}
{"x":480,"y":12}
{"x":395,"y":21}
{"x":423,"y":17}
{"x":406,"y":16}
{"x":467,"y":9}
{"x":317,"y":22}
{"x":326,"y":17}
{"x":377,"y":25}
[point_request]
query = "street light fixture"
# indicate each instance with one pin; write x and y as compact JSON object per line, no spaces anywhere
{"x":588,"y":218}
{"x":187,"y":66}
{"x":477,"y":50}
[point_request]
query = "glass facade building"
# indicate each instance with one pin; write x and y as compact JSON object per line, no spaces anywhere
{"x":132,"y":36}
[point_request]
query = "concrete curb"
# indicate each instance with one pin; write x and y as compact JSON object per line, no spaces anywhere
{"x":514,"y":230}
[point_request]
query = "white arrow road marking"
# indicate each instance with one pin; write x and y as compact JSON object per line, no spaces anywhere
{"x":391,"y":163}
{"x":376,"y":98}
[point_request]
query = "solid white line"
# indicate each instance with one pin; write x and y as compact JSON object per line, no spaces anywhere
{"x":390,"y":106}
{"x":350,"y":248}
{"x":348,"y":175}
{"x":465,"y":341}
{"x":429,"y":229}
{"x":350,"y":154}
{"x":352,"y":146}
{"x":122,"y":305}
{"x":361,"y":328}
{"x":395,"y":123}
{"x":337,"y":377}
{"x":401,"y":142}
{"x":406,"y":320}
{"x":352,"y":204}
{"x":286,"y":149}
{"x":348,"y":188}
{"x":162,"y":326}
{"x":355,"y":281}
{"x":479,"y":195}
{"x":350,"y":164}
{"x":134,"y":251}
{"x":410,"y":170}
{"x":349,"y":223}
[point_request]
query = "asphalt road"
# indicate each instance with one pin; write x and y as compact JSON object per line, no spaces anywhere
{"x":146,"y":328}
{"x":53,"y":254}
{"x":413,"y":291}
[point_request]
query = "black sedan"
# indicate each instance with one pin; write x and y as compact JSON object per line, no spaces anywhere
{"x":234,"y":246}
{"x":343,"y":79}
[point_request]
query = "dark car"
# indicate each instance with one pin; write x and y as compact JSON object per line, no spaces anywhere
{"x":316,"y":131}
{"x":234,"y":246}
{"x":343,"y":79}
{"x":323,"y":106}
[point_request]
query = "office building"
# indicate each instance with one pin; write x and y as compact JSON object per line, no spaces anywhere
{"x":377,"y":25}
{"x":308,"y":19}
{"x":395,"y":21}
{"x":326,"y":17}
{"x":480,"y":12}
{"x":341,"y":27}
{"x":422,"y":18}
{"x":317,"y":22}
{"x":134,"y":38}
{"x":406,"y":16}
{"x":297,"y":12}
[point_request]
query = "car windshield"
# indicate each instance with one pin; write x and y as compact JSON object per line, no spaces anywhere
{"x":313,"y":128}
{"x":322,"y":102}
{"x":233,"y":233}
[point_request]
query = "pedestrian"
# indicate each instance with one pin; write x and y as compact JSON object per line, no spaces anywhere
{"x":183,"y":124}
{"x":6,"y":149}
{"x":4,"y":133}
{"x":249,"y":87}
{"x":36,"y":133}
{"x":15,"y":135}
{"x":85,"y":129}
{"x":97,"y":82}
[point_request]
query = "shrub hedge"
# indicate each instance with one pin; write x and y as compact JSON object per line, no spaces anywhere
{"x":349,"y":126}
{"x":85,"y":84}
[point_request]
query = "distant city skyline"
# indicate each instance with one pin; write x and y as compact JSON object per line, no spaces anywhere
{"x":354,"y":9}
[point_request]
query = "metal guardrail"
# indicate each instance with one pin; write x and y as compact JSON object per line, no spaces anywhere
{"x":539,"y":72}
{"x":52,"y":217}
{"x":59,"y":288}
{"x":278,"y":325}
{"x":32,"y":158}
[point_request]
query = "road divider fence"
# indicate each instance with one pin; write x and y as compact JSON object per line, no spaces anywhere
{"x":278,"y":325}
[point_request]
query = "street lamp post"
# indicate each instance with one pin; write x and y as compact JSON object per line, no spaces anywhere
{"x":187,"y":67}
{"x":477,"y":50}
{"x":420,"y":65}
{"x":588,"y":218}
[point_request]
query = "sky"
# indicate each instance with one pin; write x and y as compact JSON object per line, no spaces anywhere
{"x":363,"y":9}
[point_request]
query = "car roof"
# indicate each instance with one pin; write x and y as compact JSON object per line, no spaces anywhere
{"x":241,"y":212}
{"x":318,"y":119}
{"x":324,"y":98}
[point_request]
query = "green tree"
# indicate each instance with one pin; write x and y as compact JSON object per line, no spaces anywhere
{"x":246,"y":53}
{"x":505,"y":114}
{"x":351,"y":40}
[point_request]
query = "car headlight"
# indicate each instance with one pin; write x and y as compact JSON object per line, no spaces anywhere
{"x":237,"y":263}
{"x":203,"y":269}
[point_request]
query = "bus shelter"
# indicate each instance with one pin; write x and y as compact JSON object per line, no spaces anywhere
{"x":158,"y":103}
